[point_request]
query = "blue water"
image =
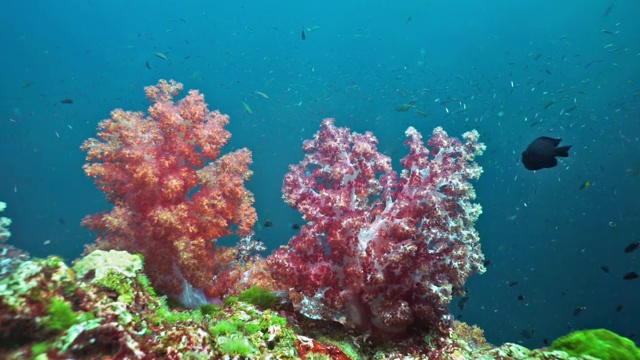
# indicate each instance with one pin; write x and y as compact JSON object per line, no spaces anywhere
{"x":493,"y":66}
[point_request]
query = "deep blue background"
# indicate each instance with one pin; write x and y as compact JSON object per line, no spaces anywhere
{"x":494,"y":66}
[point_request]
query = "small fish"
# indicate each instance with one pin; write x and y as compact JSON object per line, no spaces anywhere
{"x":619,"y":308}
{"x":304,"y":36}
{"x":545,"y":341}
{"x":595,"y":61}
{"x":263,"y":95}
{"x":631,"y":275}
{"x":26,"y":84}
{"x":295,"y":227}
{"x":549,"y":104}
{"x":161,"y":55}
{"x":585,"y":185}
{"x":247,"y":108}
{"x":406,"y":106}
{"x":148,"y":65}
{"x":487,"y":263}
{"x":67,"y":101}
{"x":514,"y":283}
{"x":542,"y":152}
{"x":631,"y":247}
{"x":578,"y":310}
{"x":537,"y":122}
{"x":527,"y":334}
{"x":520,"y":297}
{"x":268,"y":223}
{"x":422,"y":113}
{"x":605,"y":268}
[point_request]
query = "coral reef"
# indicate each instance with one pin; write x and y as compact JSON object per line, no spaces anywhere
{"x":104,"y":307}
{"x":4,"y":224}
{"x":381,"y":252}
{"x":10,"y":258}
{"x":369,"y":276}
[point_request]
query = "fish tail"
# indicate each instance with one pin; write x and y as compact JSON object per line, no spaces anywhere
{"x":563,"y":151}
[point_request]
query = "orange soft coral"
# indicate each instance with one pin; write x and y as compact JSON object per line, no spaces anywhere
{"x":174,"y":195}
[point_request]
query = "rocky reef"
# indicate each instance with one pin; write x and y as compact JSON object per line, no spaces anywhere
{"x":103,"y":307}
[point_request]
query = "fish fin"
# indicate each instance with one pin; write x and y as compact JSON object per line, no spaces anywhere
{"x":563,"y":151}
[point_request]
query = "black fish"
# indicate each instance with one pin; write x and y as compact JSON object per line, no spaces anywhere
{"x":630,"y":275}
{"x":634,"y":245}
{"x":527,"y":334}
{"x":578,"y":310}
{"x":514,"y":283}
{"x":304,"y":37}
{"x":605,"y":268}
{"x":148,"y":65}
{"x":542,"y":152}
{"x":487,"y":263}
{"x":67,"y":101}
{"x":545,"y":341}
{"x":268,"y":223}
{"x":463,"y":300}
{"x":619,"y":308}
{"x":520,"y":297}
{"x":295,"y":227}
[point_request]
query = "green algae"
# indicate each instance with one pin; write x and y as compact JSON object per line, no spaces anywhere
{"x":119,"y":283}
{"x":146,"y":284}
{"x":224,"y":327}
{"x":40,"y":348}
{"x":60,"y":315}
{"x":599,"y":343}
{"x":260,"y":297}
{"x":243,"y":324}
{"x":237,"y":346}
{"x":230,"y":301}
{"x":210,"y":309}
